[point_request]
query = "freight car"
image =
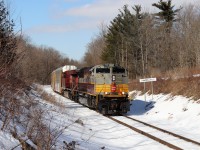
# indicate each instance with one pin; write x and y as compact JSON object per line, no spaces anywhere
{"x":102,"y":87}
{"x":64,"y":80}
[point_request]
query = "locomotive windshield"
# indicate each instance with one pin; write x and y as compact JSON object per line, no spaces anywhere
{"x":118,"y":70}
{"x":102,"y":70}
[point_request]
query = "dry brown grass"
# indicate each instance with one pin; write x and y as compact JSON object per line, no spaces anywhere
{"x":176,"y":82}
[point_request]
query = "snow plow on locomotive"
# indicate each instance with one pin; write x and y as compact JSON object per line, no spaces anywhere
{"x":102,"y":87}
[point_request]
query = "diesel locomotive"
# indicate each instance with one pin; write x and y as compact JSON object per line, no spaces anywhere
{"x":101,"y":87}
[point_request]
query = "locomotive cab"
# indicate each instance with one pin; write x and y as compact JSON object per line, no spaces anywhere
{"x":107,"y":88}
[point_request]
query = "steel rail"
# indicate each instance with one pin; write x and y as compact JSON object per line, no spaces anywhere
{"x":146,"y":134}
{"x":165,"y":131}
{"x":151,"y":136}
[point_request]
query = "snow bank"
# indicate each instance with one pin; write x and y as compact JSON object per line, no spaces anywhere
{"x":91,"y":130}
{"x":175,"y":113}
{"x":7,"y":142}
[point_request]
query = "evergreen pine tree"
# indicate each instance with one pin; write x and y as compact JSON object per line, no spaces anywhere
{"x":7,"y":38}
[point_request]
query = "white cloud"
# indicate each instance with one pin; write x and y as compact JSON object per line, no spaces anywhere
{"x":91,"y":15}
{"x":108,"y":9}
{"x":99,"y":9}
{"x":105,"y":8}
{"x":64,"y":27}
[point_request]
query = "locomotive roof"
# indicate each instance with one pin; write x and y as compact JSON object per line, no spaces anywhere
{"x":66,"y":68}
{"x":106,"y":66}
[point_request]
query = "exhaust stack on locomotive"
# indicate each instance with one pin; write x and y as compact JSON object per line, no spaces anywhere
{"x":102,"y":87}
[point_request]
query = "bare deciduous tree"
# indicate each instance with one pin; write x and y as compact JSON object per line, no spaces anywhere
{"x":95,"y":48}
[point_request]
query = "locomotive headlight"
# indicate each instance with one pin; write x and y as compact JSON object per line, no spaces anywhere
{"x":107,"y":93}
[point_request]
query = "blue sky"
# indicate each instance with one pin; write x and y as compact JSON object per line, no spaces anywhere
{"x":69,"y":25}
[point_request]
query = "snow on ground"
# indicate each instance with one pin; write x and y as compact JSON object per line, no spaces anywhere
{"x":175,"y":113}
{"x":94,"y":131}
{"x":8,"y":142}
{"x":90,"y":130}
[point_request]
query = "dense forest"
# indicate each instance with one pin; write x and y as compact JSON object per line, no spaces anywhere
{"x":148,"y":44}
{"x":144,"y":43}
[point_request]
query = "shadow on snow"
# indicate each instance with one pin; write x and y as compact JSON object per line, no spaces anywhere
{"x":140,"y":107}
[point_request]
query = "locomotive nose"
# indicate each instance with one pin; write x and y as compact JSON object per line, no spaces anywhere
{"x":113,"y":87}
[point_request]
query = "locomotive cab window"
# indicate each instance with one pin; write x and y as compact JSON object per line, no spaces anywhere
{"x":118,"y":70}
{"x":102,"y":70}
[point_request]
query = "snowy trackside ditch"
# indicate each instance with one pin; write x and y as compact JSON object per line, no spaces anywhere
{"x":86,"y":129}
{"x":178,"y":114}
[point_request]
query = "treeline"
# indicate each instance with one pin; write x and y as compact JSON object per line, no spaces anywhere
{"x":37,"y":63}
{"x":142,"y":42}
{"x":22,"y":60}
{"x":146,"y":43}
{"x":32,"y":63}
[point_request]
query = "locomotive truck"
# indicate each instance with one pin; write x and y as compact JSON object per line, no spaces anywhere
{"x":101,"y":87}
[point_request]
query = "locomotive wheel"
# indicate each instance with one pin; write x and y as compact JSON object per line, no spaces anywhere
{"x":104,"y":110}
{"x":93,"y":102}
{"x":76,"y":97}
{"x":70,"y":95}
{"x":89,"y":101}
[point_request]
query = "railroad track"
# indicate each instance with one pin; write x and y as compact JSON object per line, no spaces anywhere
{"x":154,"y":137}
